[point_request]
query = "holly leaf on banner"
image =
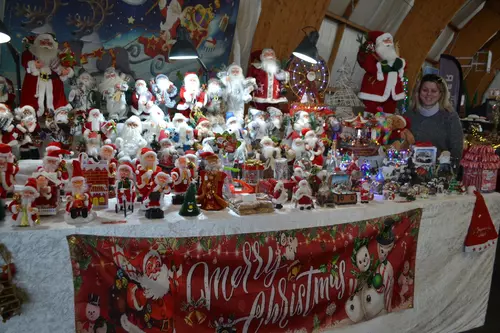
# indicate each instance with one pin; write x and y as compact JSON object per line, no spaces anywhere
{"x":322,"y":268}
{"x":362,"y":228}
{"x":313,"y":233}
{"x":91,"y":241}
{"x":316,"y":322}
{"x":205,"y":244}
{"x":333,"y":232}
{"x":262,"y":239}
{"x":85,"y":262}
{"x":414,"y":232}
{"x":77,"y":283}
{"x":240,"y":240}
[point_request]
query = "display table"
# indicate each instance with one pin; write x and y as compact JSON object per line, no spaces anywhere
{"x":451,"y":292}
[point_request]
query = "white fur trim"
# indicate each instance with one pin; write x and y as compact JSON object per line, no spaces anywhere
{"x":74,"y":179}
{"x":21,"y":128}
{"x":270,"y":100}
{"x":134,"y":299}
{"x":390,"y":85}
{"x":380,"y":74}
{"x":381,"y":38}
{"x":10,"y":128}
{"x":182,"y":106}
{"x":480,"y":247}
{"x":32,"y":68}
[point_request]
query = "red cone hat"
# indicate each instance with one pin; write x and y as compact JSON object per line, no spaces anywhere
{"x":77,"y":171}
{"x":482,"y":233}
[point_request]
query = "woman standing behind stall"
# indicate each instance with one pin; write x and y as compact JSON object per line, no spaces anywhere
{"x":432,"y":118}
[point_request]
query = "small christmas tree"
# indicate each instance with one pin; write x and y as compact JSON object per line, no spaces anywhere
{"x":189,"y":206}
{"x":345,"y":99}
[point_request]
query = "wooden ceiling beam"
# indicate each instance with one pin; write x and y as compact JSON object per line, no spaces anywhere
{"x":475,"y":34}
{"x":281,"y":21}
{"x":338,"y":18}
{"x":477,"y":82}
{"x":416,"y":37}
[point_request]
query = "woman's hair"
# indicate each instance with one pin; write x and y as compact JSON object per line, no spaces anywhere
{"x":444,"y":100}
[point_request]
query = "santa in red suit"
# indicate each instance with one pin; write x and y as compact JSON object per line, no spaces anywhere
{"x":160,"y":187}
{"x":95,"y":131}
{"x":107,"y":154}
{"x":181,"y":177}
{"x":53,"y":162}
{"x":315,"y":146}
{"x":303,"y":196}
{"x":280,"y":195}
{"x":7,"y":95}
{"x":27,"y":131}
{"x":382,"y":84}
{"x":203,"y":129}
{"x":43,"y":87}
{"x":7,"y":130}
{"x":47,"y":186}
{"x":150,"y":287}
{"x":24,"y":210}
{"x":78,"y":203}
{"x":125,"y":183}
{"x":269,"y":78}
{"x":191,"y":95}
{"x":142,"y":99}
{"x":8,"y":170}
{"x":146,"y":172}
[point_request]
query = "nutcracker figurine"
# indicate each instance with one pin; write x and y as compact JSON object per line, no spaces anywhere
{"x":210,"y":195}
{"x":79,"y":205}
{"x":23,"y":207}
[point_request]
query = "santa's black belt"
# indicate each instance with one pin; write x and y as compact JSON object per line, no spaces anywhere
{"x":46,"y":77}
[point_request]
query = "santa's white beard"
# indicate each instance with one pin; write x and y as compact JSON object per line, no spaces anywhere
{"x":192,"y":88}
{"x":270,"y":66}
{"x":166,"y":152}
{"x":311,"y":142}
{"x":276,"y":122}
{"x":49,"y":167}
{"x":298,"y":149}
{"x":109,"y":84}
{"x":86,"y":85}
{"x":301,"y":191}
{"x":131,"y":134}
{"x":27,"y":201}
{"x":163,"y":85}
{"x":236,"y":85}
{"x":79,"y":190}
{"x":387,"y":53}
{"x":141,"y":90}
{"x":156,"y":285}
{"x":182,"y":131}
{"x":260,"y":127}
{"x":213,"y":167}
{"x":268,"y":151}
{"x":95,"y":124}
{"x":61,"y":118}
{"x":301,"y":124}
{"x":204,"y":132}
{"x":93,"y":146}
{"x":43,"y":54}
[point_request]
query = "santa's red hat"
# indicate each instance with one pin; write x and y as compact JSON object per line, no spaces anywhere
{"x":110,"y":146}
{"x":2,"y":105}
{"x":77,"y":171}
{"x":147,"y":151}
{"x":190,"y":152}
{"x":5,"y":150}
{"x":138,"y":81}
{"x":304,"y":131}
{"x":179,"y":116}
{"x":163,"y":136}
{"x":201,"y":120}
{"x":294,"y":135}
{"x":207,"y":155}
{"x":140,"y":260}
{"x":482,"y":233}
{"x":31,"y":186}
{"x":127,"y":165}
{"x":55,"y":154}
{"x":53,"y":146}
{"x":377,"y":37}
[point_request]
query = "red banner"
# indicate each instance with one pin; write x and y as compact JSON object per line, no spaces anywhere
{"x":297,"y":280}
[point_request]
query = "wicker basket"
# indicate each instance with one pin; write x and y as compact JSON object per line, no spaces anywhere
{"x":10,"y":302}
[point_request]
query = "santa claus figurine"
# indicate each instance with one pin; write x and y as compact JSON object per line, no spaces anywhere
{"x":257,"y":127}
{"x":96,"y":131}
{"x":83,"y":95}
{"x":47,"y":186}
{"x":28,"y":131}
{"x":280,"y":195}
{"x":23,"y":208}
{"x":191,"y":94}
{"x":382,"y":85}
{"x":167,"y":153}
{"x":269,"y":79}
{"x":314,"y":146}
{"x":233,"y":126}
{"x":113,"y":88}
{"x":298,"y":150}
{"x":43,"y":87}
{"x":238,"y":90}
{"x":78,"y":203}
{"x":124,"y":185}
{"x":53,"y":163}
{"x":7,"y":130}
{"x":303,"y":196}
{"x":107,"y":154}
{"x":365,"y":194}
{"x":302,"y":120}
{"x":164,"y":92}
{"x":181,"y":177}
{"x":130,"y":140}
{"x":275,"y":122}
{"x":142,"y":99}
{"x":7,"y":95}
{"x":155,"y":198}
{"x":146,"y":171}
{"x":210,"y":196}
{"x":183,"y":137}
{"x":203,"y":129}
{"x":8,"y":170}
{"x":269,"y":154}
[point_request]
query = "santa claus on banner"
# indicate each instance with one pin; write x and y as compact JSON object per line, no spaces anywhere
{"x":7,"y":129}
{"x":7,"y":95}
{"x":96,"y":130}
{"x":43,"y":87}
{"x":130,"y":140}
{"x":113,"y":88}
{"x":382,"y":85}
{"x":203,"y":129}
{"x":146,"y":171}
{"x":142,"y":99}
{"x":269,"y":79}
{"x":191,"y":94}
{"x":181,"y":177}
{"x":238,"y":90}
{"x":24,"y":211}
{"x":28,"y":132}
{"x":8,"y":170}
{"x":164,"y":92}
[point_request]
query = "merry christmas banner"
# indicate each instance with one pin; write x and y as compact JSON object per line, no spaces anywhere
{"x":299,"y":280}
{"x":134,"y":36}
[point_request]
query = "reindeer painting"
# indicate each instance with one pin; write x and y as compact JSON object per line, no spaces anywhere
{"x":38,"y":19}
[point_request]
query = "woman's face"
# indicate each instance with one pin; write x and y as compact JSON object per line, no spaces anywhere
{"x":429,"y":93}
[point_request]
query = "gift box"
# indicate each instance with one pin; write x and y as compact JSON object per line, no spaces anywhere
{"x":253,"y":171}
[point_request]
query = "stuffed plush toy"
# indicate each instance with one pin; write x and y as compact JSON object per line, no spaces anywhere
{"x":401,"y":137}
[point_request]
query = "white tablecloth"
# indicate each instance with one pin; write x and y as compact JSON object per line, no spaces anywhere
{"x":452,"y":287}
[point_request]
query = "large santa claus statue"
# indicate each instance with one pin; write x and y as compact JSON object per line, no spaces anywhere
{"x":130,"y":140}
{"x":382,"y":84}
{"x":269,"y":78}
{"x":43,"y":87}
{"x":113,"y":88}
{"x":8,"y":134}
{"x":7,"y":95}
{"x":191,"y":94}
{"x":142,"y":99}
{"x":238,"y":90}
